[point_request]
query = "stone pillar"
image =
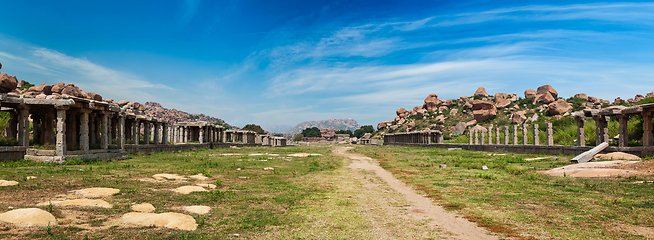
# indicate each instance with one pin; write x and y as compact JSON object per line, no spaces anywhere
{"x":490,"y":134}
{"x":647,"y":128}
{"x":23,"y":127}
{"x":11,"y":131}
{"x":157,"y":136}
{"x":84,"y":130}
{"x":515,"y":134}
{"x":92,"y":129}
{"x":624,"y":131}
{"x":186,"y":133}
{"x":121,"y":131}
{"x":469,"y":137}
{"x":165,"y":133}
{"x":525,"y":139}
{"x":201,"y":134}
{"x":581,"y":139}
{"x":104,"y":137}
{"x":49,"y":125}
{"x":536,"y":137}
{"x":136,"y":131}
{"x":60,"y":146}
{"x":550,"y":135}
{"x":497,"y":136}
{"x":146,"y":132}
{"x":506,"y":135}
{"x":476,"y":136}
{"x":483,"y":137}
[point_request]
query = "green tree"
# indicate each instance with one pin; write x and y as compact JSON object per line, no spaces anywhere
{"x":254,"y":128}
{"x":363,"y":130}
{"x":298,"y":137}
{"x":311,"y":132}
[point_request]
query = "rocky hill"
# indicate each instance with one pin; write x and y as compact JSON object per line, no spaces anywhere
{"x":340,"y":124}
{"x":273,"y":128}
{"x":154,"y":109}
{"x":480,"y":110}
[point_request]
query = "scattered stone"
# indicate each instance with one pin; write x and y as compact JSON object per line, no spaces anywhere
{"x":617,"y":156}
{"x":518,"y":117}
{"x":452,"y":149}
{"x":303,"y":154}
{"x":559,"y":107}
{"x":483,"y":110}
{"x":593,"y":169}
{"x":29,"y":217}
{"x":481,"y":91}
{"x":202,"y":210}
{"x":168,"y":220}
{"x":199,"y":177}
{"x":96,"y":192}
{"x":401,"y":112}
{"x":268,"y":168}
{"x":143,"y":207}
{"x":82,"y":202}
{"x":189,"y":189}
{"x":530,"y":93}
{"x":588,"y":155}
{"x":581,"y":95}
{"x":7,"y":83}
{"x":484,"y":168}
{"x":30,"y":177}
{"x":442,"y":166}
{"x":206,"y":185}
{"x":431,"y":103}
{"x":167,"y":176}
{"x":4,"y":183}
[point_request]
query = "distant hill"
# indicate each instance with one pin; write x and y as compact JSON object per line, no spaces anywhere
{"x":272,"y":128}
{"x":154,"y":109}
{"x":341,"y":124}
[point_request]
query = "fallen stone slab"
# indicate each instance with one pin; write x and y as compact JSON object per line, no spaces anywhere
{"x":299,"y":155}
{"x":594,"y":170}
{"x":96,"y":192}
{"x":617,"y":156}
{"x":29,"y":217}
{"x":202,"y":210}
{"x":82,"y":202}
{"x":189,"y":189}
{"x":5,"y":183}
{"x":199,"y":177}
{"x":206,"y":185}
{"x":143,"y":207}
{"x":167,"y":176}
{"x":588,"y":155}
{"x":167,"y":220}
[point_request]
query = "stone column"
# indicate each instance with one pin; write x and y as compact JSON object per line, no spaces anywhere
{"x":92,"y":129}
{"x":157,"y":136}
{"x":490,"y":134}
{"x":497,"y":135}
{"x":23,"y":127}
{"x":476,"y":136}
{"x":60,"y":146}
{"x":201,"y":134}
{"x":136,"y":131}
{"x":121,"y":131}
{"x":84,"y":130}
{"x":624,"y":131}
{"x":49,"y":125}
{"x":186,"y":133}
{"x":469,"y":137}
{"x":506,"y":135}
{"x":165,"y":133}
{"x":104,"y":137}
{"x":550,"y":135}
{"x":515,"y":134}
{"x":581,"y":139}
{"x":601,"y":129}
{"x":483,"y":137}
{"x":146,"y":132}
{"x":536,"y":137}
{"x":647,"y":128}
{"x":11,"y":131}
{"x":525,"y":139}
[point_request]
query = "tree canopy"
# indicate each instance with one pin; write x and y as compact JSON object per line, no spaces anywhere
{"x":363,"y":130}
{"x":254,"y":128}
{"x":311,"y":132}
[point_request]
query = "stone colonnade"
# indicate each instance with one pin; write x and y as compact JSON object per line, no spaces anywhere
{"x":503,"y":133}
{"x":623,"y":114}
{"x":418,"y":137}
{"x":240,"y":136}
{"x":200,"y":132}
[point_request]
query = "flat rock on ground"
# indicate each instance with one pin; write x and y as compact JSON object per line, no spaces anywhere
{"x":206,"y":185}
{"x":303,"y":154}
{"x":96,"y":192}
{"x":82,"y":202}
{"x":167,"y":176}
{"x":189,"y":189}
{"x":29,"y":217}
{"x":617,"y":156}
{"x":143,"y":207}
{"x":4,"y":183}
{"x":594,"y":169}
{"x":202,"y":210}
{"x":199,"y":177}
{"x":168,"y":220}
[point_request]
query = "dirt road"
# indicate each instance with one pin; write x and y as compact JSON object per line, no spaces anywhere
{"x":450,"y":224}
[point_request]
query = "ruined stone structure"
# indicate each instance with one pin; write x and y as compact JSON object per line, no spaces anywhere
{"x":67,"y":127}
{"x":420,"y":137}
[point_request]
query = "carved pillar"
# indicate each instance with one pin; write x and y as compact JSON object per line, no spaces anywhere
{"x":146,"y":132}
{"x":136,"y":131}
{"x":165,"y":133}
{"x":11,"y":131}
{"x":92,"y":129}
{"x":469,"y":137}
{"x":121,"y":131}
{"x":536,"y":137}
{"x":49,"y":126}
{"x":647,"y":128}
{"x":84,"y":130}
{"x":483,"y":137}
{"x":550,"y":135}
{"x":490,"y":134}
{"x":23,"y":127}
{"x":104,"y":132}
{"x":497,"y":136}
{"x":476,"y":136}
{"x":515,"y":134}
{"x":506,"y":135}
{"x":525,"y":139}
{"x":157,"y":136}
{"x":624,"y":131}
{"x":201,"y":134}
{"x":60,"y":145}
{"x":581,"y":138}
{"x":601,"y":129}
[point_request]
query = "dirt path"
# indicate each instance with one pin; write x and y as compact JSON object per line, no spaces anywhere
{"x":422,"y":207}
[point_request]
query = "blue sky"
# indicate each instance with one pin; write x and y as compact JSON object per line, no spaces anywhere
{"x":284,"y":62}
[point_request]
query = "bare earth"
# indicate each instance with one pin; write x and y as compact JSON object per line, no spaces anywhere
{"x":421,"y":207}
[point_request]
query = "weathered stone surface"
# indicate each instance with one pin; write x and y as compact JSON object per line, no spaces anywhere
{"x":73,"y":90}
{"x":96,"y":192}
{"x":82,"y":202}
{"x":559,"y":107}
{"x":483,"y":110}
{"x":383,"y":124}
{"x":593,"y":99}
{"x":545,"y":98}
{"x":168,"y":176}
{"x":401,"y":112}
{"x":202,"y":210}
{"x":29,"y":217}
{"x":199,"y":177}
{"x":431,"y":103}
{"x":588,"y":155}
{"x":168,"y":220}
{"x":411,"y":124}
{"x":518,"y":117}
{"x":447,"y":103}
{"x":189,"y":189}
{"x":143,"y":207}
{"x":581,"y":95}
{"x":471,"y":122}
{"x":440,"y":119}
{"x":512,"y":97}
{"x":58,"y":87}
{"x":547,"y":89}
{"x":453,"y":112}
{"x":421,"y":111}
{"x":367,"y":136}
{"x":134,"y":105}
{"x":123,"y":103}
{"x":501,"y":100}
{"x":7,"y":83}
{"x":467,"y":105}
{"x":4,"y":183}
{"x":94,"y":96}
{"x":481,"y":91}
{"x":43,"y":88}
{"x":618,"y":100}
{"x":530,"y":93}
{"x":442,"y":108}
{"x":460,"y":128}
{"x":617,"y":156}
{"x":639,"y":98}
